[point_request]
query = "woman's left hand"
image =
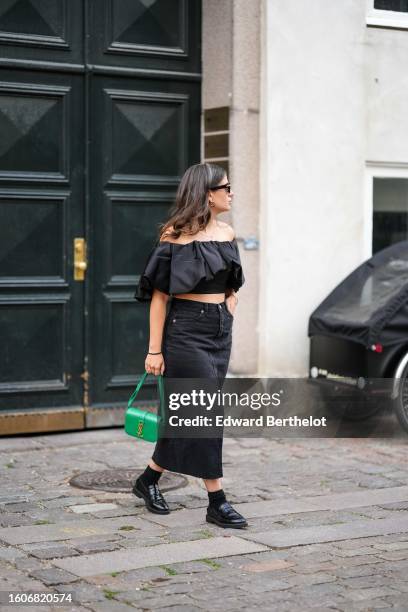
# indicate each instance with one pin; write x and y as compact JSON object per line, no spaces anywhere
{"x":231,"y":302}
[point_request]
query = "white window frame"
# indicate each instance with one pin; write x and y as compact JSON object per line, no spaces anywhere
{"x":377,"y":170}
{"x":386,"y":19}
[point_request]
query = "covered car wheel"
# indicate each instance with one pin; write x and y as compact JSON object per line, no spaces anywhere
{"x":401,"y":403}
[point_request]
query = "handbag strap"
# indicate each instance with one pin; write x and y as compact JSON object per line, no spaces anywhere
{"x":141,"y":381}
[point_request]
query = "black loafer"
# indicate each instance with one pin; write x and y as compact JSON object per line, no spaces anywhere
{"x":225,"y":516}
{"x":152,"y":496}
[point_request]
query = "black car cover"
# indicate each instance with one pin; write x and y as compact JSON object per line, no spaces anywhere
{"x":370,"y":306}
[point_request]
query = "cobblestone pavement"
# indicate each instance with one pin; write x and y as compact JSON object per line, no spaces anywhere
{"x":328,"y":527}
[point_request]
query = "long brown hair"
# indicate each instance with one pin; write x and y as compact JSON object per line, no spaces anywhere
{"x":190,"y":212}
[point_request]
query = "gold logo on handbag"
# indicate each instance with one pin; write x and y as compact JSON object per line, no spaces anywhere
{"x":140,"y":429}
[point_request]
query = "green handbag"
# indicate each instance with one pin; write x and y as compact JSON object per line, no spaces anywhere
{"x":141,"y":423}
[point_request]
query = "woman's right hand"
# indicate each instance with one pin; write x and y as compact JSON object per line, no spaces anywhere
{"x":154,"y":364}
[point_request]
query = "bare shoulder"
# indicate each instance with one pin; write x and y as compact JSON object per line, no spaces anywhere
{"x":227,"y":230}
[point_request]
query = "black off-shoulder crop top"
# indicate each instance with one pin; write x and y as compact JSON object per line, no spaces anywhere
{"x":209,"y":266}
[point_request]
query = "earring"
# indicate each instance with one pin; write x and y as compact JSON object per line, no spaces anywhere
{"x":211,"y":204}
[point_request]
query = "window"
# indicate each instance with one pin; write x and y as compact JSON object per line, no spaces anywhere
{"x":390,"y":211}
{"x":216,"y":136}
{"x":392,"y":5}
{"x":387,"y":13}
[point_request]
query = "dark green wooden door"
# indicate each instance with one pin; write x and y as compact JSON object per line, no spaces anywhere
{"x":99,"y":117}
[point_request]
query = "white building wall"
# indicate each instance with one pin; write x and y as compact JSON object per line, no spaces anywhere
{"x":386,"y":79}
{"x":334,"y":95}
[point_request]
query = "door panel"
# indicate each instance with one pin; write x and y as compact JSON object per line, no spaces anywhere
{"x":150,"y":135}
{"x":41,"y":30}
{"x":41,"y":200}
{"x":144,"y":125}
{"x":148,"y":34}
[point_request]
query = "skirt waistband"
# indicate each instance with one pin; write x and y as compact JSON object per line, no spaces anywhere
{"x":196,"y":305}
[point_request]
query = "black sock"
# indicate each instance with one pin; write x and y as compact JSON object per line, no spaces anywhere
{"x":216,"y":498}
{"x":150,"y":476}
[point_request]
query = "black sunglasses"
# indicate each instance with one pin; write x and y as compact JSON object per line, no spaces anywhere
{"x":227,"y":187}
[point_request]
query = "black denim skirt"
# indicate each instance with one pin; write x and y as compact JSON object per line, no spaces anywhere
{"x":197,"y":339}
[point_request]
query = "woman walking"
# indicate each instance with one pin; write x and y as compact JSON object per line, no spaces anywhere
{"x":197,"y":262}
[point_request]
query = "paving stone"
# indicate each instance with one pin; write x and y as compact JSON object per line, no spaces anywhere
{"x":370,"y":593}
{"x":368,"y":541}
{"x":329,"y":533}
{"x":354,"y":552}
{"x":53,"y":576}
{"x":401,"y":587}
{"x":108,"y":537}
{"x":391,"y":546}
{"x":194,"y":567}
{"x":318,"y":589}
{"x":28,"y":564}
{"x":395,"y":506}
{"x":169,"y":601}
{"x":15,"y":498}
{"x":65,"y":531}
{"x":82,"y":508}
{"x":110,"y":606}
{"x":363,"y":582}
{"x":325,"y":604}
{"x":311,"y":568}
{"x":182,"y":551}
{"x":66,"y":501}
{"x":375,"y":482}
{"x":265,"y":586}
{"x":396,"y":567}
{"x":10,"y":554}
{"x":360,"y":560}
{"x":142,"y":540}
{"x":395,"y":606}
{"x":375,"y":469}
{"x":121,"y":511}
{"x":268,"y":566}
{"x":176,"y":588}
{"x":394,"y":555}
{"x":51,"y":515}
{"x":25,"y":506}
{"x":187,"y":608}
{"x":82,"y":592}
{"x":132,"y":576}
{"x":271,"y":555}
{"x":53,"y":552}
{"x":303,"y":579}
{"x":15,"y":520}
{"x":92,"y":547}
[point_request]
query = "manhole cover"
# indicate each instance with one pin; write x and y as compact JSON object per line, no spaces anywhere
{"x":121,"y":481}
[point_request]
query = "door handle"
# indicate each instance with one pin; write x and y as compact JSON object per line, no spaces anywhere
{"x":80,"y":263}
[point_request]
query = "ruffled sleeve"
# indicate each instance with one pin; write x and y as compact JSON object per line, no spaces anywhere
{"x":156,"y":273}
{"x":178,"y":268}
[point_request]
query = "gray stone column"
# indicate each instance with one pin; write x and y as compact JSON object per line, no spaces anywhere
{"x":231,"y":77}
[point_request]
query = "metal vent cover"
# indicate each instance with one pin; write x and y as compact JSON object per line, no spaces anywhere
{"x":121,"y":480}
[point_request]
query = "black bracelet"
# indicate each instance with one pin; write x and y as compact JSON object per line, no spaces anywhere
{"x":159,"y":353}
